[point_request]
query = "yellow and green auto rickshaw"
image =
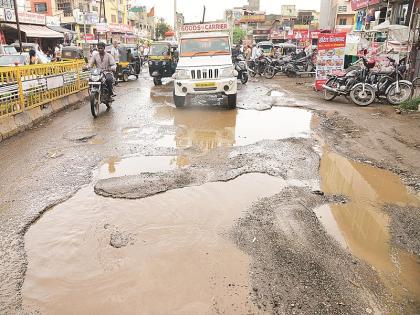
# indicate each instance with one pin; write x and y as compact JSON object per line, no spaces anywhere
{"x":163,"y":59}
{"x":69,"y":53}
{"x":129,"y":63}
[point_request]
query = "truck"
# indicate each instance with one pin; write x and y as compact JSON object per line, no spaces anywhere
{"x":205,"y":63}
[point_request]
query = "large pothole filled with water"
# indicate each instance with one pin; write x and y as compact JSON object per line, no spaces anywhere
{"x":166,"y":254}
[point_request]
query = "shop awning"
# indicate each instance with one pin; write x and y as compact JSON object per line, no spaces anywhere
{"x":61,"y":29}
{"x":36,"y":30}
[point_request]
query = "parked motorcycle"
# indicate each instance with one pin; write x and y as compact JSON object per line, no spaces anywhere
{"x":299,"y":66}
{"x":98,"y":91}
{"x":390,"y":84}
{"x":340,"y":83}
{"x":275,"y":66}
{"x":258,"y":66}
{"x":363,"y":93}
{"x":240,"y":66}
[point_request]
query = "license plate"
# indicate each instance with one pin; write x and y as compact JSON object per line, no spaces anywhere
{"x":205,"y":84}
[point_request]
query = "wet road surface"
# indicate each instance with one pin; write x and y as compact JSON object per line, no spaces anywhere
{"x":216,"y":197}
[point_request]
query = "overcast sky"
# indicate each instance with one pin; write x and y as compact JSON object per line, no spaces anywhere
{"x":193,"y":9}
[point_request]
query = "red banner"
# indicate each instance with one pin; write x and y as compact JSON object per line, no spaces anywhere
{"x":360,"y":4}
{"x":330,"y":56}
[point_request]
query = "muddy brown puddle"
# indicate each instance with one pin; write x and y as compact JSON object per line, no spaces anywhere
{"x":362,"y":227}
{"x":176,"y":257}
{"x":208,"y":128}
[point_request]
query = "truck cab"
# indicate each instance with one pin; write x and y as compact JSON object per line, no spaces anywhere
{"x":205,"y":63}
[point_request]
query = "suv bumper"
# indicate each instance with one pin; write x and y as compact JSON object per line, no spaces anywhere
{"x":226,"y":86}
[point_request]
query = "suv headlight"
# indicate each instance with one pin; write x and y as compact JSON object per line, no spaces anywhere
{"x":227,"y":72}
{"x":181,"y":75}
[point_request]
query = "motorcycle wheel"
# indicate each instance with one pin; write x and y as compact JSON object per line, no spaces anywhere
{"x":405,"y":93}
{"x":269,"y":72}
{"x":252,"y":73}
{"x":244,"y":78}
{"x":157,"y":81}
{"x":329,"y":96}
{"x":361,"y":98}
{"x":94,"y":104}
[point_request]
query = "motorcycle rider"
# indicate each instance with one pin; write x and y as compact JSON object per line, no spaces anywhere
{"x":104,"y":61}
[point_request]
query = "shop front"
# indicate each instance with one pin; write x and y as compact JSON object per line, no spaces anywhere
{"x":32,"y":27}
{"x":122,"y":33}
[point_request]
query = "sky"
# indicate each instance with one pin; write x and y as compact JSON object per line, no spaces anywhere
{"x":193,"y":9}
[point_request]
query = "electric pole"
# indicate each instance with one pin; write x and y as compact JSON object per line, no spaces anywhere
{"x":18,"y":24}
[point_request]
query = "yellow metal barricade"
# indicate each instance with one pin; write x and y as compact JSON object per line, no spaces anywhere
{"x":25,"y":87}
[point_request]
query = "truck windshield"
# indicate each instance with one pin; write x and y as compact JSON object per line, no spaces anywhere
{"x":208,"y":46}
{"x":159,"y":50}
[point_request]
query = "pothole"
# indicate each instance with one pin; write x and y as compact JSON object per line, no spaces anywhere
{"x":178,"y":251}
{"x":362,"y":226}
{"x":134,"y":165}
{"x":208,"y":129}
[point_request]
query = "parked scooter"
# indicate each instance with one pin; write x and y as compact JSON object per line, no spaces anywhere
{"x":240,"y":66}
{"x":98,"y":91}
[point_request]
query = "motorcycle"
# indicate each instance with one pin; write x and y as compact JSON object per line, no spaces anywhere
{"x":390,"y":84}
{"x":299,"y":66}
{"x":339,"y":83}
{"x":363,"y":93}
{"x":98,"y":91}
{"x":258,"y":66}
{"x":240,"y":66}
{"x":276,"y":65}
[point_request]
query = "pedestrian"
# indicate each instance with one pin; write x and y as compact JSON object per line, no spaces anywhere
{"x":254,"y":53}
{"x":115,"y":52}
{"x":32,"y":57}
{"x":248,"y":53}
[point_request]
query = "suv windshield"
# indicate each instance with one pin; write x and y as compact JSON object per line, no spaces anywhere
{"x":208,"y":46}
{"x":159,"y":50}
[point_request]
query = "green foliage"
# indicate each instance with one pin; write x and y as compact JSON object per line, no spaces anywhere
{"x":412,"y":104}
{"x":238,"y":35}
{"x":161,"y":29}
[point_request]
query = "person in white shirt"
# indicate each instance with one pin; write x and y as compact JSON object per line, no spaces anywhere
{"x":115,"y":52}
{"x":254,"y":52}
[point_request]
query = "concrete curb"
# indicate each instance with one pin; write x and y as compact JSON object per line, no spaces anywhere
{"x":12,"y":125}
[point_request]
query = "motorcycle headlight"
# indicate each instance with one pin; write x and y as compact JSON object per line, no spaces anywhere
{"x":227,"y":72}
{"x":181,"y":75}
{"x":164,"y":63}
{"x":150,"y":63}
{"x":95,"y":77}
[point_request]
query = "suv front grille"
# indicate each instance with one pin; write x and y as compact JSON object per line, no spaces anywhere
{"x":204,"y":74}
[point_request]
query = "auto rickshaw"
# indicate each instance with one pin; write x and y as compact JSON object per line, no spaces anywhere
{"x":285,"y":48}
{"x":130,"y":62}
{"x":163,"y":59}
{"x":69,"y":53}
{"x":267,"y":47}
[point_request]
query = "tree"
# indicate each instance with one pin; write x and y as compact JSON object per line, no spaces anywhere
{"x":238,"y":35}
{"x":161,"y":29}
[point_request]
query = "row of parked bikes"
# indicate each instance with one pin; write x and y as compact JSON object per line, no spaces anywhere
{"x":359,"y":82}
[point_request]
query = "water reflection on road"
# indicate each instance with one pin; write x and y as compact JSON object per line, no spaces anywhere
{"x":362,"y":226}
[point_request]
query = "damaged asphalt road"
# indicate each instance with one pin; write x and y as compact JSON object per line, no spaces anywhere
{"x":280,"y":255}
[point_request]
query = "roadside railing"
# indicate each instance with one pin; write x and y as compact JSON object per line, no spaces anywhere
{"x":25,"y":87}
